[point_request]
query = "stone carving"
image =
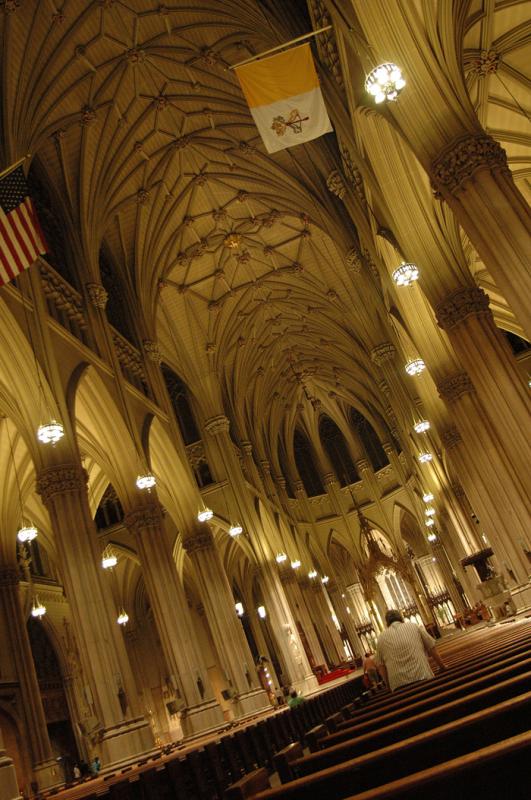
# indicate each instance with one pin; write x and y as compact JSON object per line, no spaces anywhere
{"x":97,"y":295}
{"x":486,"y":62}
{"x":139,"y":519}
{"x":382,"y":353}
{"x":451,"y":438}
{"x":455,"y":386}
{"x":199,"y":541}
{"x":88,"y":116}
{"x":329,"y":480}
{"x":463,"y":303}
{"x":354,"y":260}
{"x":65,"y":479}
{"x":217,"y":425}
{"x":362,"y":464}
{"x":142,"y":197}
{"x":336,"y":184}
{"x":151,"y":349}
{"x":465,"y":157}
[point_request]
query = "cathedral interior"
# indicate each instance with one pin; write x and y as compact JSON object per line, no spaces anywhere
{"x":292,"y":388}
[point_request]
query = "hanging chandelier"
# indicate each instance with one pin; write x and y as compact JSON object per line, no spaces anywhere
{"x":384,"y":82}
{"x":422,"y":426}
{"x":205,"y":514}
{"x":235,"y":530}
{"x":27,"y":533}
{"x":429,"y":523}
{"x":430,"y":512}
{"x":295,"y":564}
{"x":146,"y":481}
{"x":109,"y":558}
{"x":432,"y":537}
{"x":425,"y":457}
{"x":415,"y":366}
{"x":261,"y":612}
{"x":428,"y":497}
{"x":123,"y":618}
{"x":38,"y":610}
{"x":281,"y":557}
{"x":239,"y":609}
{"x":406,"y":274}
{"x":312,"y":574}
{"x":325,"y":579}
{"x":50,"y":433}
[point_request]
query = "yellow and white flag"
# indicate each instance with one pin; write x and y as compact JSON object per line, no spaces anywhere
{"x":285,"y":98}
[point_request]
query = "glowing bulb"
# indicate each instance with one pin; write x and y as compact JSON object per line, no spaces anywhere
{"x":38,"y":609}
{"x":27,"y":533}
{"x":422,"y":426}
{"x":235,"y":530}
{"x":425,"y":457}
{"x":428,"y":497}
{"x":280,"y":557}
{"x":295,"y":564}
{"x":261,"y":612}
{"x":429,"y":522}
{"x":432,"y":537}
{"x":312,"y":574}
{"x":239,"y":609}
{"x":123,"y":618}
{"x":205,"y":514}
{"x":430,"y":512}
{"x":405,"y":274}
{"x":50,"y":433}
{"x":415,"y":366}
{"x":385,"y":82}
{"x":109,"y":560}
{"x":146,"y":481}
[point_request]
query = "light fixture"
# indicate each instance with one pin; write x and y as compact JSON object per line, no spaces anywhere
{"x":38,"y":610}
{"x":432,"y":537}
{"x":415,"y":366}
{"x":429,"y":522}
{"x":205,"y":514}
{"x":295,"y":564}
{"x":109,"y":558}
{"x":27,"y":533}
{"x":50,"y":433}
{"x":280,"y":557}
{"x":123,"y":618}
{"x":430,"y":512}
{"x":235,"y":530}
{"x":348,"y":609}
{"x":428,"y":497}
{"x":425,"y":457}
{"x":384,"y":82}
{"x":325,"y":579}
{"x":405,"y":274}
{"x":146,"y":481}
{"x":239,"y":609}
{"x":422,"y":426}
{"x":261,"y":612}
{"x":312,"y":574}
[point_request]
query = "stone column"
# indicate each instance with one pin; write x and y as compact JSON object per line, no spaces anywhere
{"x":288,"y":578}
{"x":345,"y":618}
{"x":331,"y":640}
{"x":188,"y":674}
{"x":8,"y":776}
{"x":44,"y":765}
{"x":123,"y":734}
{"x":236,"y":661}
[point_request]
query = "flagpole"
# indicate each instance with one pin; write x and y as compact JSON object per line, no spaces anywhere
{"x":7,"y":170}
{"x":280,"y":46}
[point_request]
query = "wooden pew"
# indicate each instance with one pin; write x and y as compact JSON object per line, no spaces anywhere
{"x":404,"y":757}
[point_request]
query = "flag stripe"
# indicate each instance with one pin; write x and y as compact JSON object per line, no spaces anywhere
{"x":13,"y":239}
{"x":28,"y":222}
{"x":27,"y":247}
{"x":4,"y":257}
{"x":10,"y":251}
{"x":278,"y":77}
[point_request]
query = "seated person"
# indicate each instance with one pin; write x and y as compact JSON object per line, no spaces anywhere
{"x":295,"y":699}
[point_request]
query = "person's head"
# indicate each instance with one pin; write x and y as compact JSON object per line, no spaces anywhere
{"x":293,"y":693}
{"x":393,"y":615}
{"x":367,"y":655}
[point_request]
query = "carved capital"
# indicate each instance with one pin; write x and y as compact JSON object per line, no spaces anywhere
{"x":216,"y":425}
{"x":463,"y":158}
{"x":336,"y":184}
{"x":97,"y":295}
{"x":361,"y":464}
{"x":266,"y":466}
{"x":455,"y":386}
{"x":280,"y":481}
{"x":354,"y":260}
{"x":458,"y":490}
{"x":199,"y":541}
{"x":466,"y":302}
{"x":66,"y":479}
{"x":382,"y":353}
{"x":287,"y":575}
{"x":151,"y":349}
{"x":451,"y":438}
{"x":329,"y":480}
{"x":145,"y":517}
{"x":9,"y":576}
{"x":247,"y":448}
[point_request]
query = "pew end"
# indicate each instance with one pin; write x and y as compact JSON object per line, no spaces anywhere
{"x":252,"y":783}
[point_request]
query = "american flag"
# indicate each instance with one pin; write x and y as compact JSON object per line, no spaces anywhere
{"x":21,"y":237}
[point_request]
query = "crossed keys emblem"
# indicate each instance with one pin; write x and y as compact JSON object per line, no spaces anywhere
{"x":294,"y":121}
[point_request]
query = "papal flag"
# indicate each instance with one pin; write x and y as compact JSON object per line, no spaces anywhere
{"x":285,"y":98}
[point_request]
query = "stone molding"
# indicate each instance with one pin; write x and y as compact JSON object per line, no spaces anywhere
{"x":64,"y":479}
{"x":336,"y":184}
{"x":455,"y":386}
{"x":299,"y":487}
{"x":139,"y":519}
{"x":151,"y":349}
{"x":458,"y":490}
{"x":361,"y":464}
{"x":461,"y":304}
{"x":247,"y":448}
{"x":451,"y":438}
{"x":216,"y":425}
{"x":382,"y":353}
{"x":463,"y":158}
{"x":329,"y":479}
{"x":97,"y":295}
{"x":9,"y":576}
{"x":199,"y":541}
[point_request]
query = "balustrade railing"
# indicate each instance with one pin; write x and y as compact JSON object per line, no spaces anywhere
{"x":131,"y":362}
{"x":64,"y":303}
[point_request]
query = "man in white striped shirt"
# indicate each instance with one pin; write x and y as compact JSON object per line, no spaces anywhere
{"x":403,"y":650}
